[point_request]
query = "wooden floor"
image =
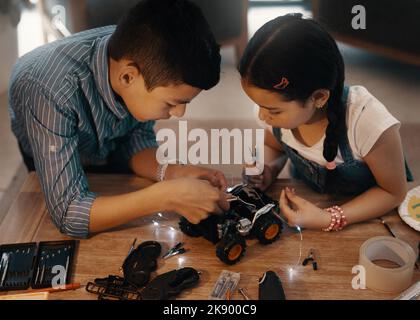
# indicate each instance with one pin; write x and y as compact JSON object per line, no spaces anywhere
{"x":103,"y":254}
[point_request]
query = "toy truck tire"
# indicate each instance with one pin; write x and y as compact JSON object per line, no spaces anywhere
{"x":188,"y":228}
{"x":267,"y":229}
{"x":231,"y":249}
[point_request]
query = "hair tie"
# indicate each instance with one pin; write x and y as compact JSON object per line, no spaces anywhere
{"x":331,"y":165}
{"x":283,"y":84}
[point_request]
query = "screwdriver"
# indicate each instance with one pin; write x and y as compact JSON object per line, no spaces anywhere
{"x":5,"y":261}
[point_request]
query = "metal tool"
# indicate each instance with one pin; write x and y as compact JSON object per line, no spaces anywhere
{"x":232,"y":198}
{"x":37,"y":277}
{"x":412,"y":293}
{"x":177,"y":249}
{"x":132,"y":247}
{"x":225,"y":285}
{"x":311,"y":258}
{"x":37,"y":274}
{"x":5,"y":266}
{"x":41,"y":280}
{"x":386,"y":225}
{"x":243,"y":292}
{"x":2,"y":261}
{"x":175,"y":253}
{"x":67,"y":268}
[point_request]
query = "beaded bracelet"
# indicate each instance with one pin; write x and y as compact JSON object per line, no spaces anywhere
{"x":338,"y":219}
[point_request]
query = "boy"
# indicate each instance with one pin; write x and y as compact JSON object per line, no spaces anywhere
{"x":91,"y":99}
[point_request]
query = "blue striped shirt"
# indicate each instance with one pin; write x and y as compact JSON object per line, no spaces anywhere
{"x":65,"y":115}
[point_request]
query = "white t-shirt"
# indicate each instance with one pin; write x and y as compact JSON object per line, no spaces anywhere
{"x":367,"y":118}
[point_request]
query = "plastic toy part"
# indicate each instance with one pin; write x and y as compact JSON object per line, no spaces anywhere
{"x":231,"y":248}
{"x":170,"y":284}
{"x":141,"y":262}
{"x":270,"y":287}
{"x":163,"y":287}
{"x":113,"y":288}
{"x":252,"y":214}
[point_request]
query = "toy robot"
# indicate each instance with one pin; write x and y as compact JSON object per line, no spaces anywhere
{"x":252,"y":214}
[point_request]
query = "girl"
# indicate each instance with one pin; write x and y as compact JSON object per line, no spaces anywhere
{"x":339,"y":139}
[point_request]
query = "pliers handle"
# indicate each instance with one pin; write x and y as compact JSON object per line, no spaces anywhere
{"x":311,"y":258}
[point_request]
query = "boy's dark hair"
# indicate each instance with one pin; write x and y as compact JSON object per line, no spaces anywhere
{"x":170,"y":42}
{"x":304,"y":53}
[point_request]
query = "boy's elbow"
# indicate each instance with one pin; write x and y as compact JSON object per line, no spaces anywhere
{"x":72,"y":231}
{"x":74,"y":228}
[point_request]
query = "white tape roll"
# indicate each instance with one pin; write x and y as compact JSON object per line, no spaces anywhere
{"x":386,"y":279}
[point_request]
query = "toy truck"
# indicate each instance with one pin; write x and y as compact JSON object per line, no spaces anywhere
{"x":252,"y":214}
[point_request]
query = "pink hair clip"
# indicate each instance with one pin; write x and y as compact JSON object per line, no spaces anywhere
{"x":331,"y":165}
{"x":283,"y":84}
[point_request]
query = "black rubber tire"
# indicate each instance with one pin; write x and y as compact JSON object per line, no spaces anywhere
{"x":261,"y":226}
{"x":225,"y":245}
{"x":188,"y":228}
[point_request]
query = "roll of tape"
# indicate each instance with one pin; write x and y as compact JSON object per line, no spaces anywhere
{"x":393,"y":280}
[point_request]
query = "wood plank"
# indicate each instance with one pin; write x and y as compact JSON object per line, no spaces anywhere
{"x":8,"y":196}
{"x":103,"y":254}
{"x":22,"y":220}
{"x":386,"y":51}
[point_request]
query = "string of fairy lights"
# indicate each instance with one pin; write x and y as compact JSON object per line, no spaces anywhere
{"x":175,"y":235}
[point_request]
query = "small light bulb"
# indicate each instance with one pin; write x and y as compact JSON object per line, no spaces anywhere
{"x":291,"y":272}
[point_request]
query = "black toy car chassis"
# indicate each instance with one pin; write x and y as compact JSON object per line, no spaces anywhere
{"x":252,"y":213}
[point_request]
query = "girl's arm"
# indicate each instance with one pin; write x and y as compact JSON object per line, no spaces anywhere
{"x":386,"y":161}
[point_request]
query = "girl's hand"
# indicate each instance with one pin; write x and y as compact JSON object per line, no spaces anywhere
{"x":262,"y":181}
{"x":302,"y":213}
{"x":215,"y":177}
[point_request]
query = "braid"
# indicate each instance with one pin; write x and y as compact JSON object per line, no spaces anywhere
{"x":336,"y":122}
{"x":336,"y":125}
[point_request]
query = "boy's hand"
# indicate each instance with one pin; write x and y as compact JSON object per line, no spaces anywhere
{"x":194,"y":199}
{"x":262,"y":181}
{"x":302,"y":213}
{"x":215,"y":177}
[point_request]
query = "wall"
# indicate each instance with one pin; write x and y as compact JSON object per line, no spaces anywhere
{"x":8,"y":51}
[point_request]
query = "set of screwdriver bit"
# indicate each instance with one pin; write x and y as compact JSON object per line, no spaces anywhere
{"x":32,"y":265}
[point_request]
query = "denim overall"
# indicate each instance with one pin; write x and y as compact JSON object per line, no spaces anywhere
{"x":354,"y":176}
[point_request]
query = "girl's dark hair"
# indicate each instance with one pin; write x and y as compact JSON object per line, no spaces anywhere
{"x":304,"y":53}
{"x":170,"y":42}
